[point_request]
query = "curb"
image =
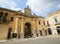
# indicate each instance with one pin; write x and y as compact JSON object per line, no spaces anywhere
{"x":3,"y":41}
{"x":33,"y":38}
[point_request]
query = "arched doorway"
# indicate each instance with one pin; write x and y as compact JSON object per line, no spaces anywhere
{"x":49,"y":31}
{"x":27,"y":30}
{"x":58,"y":29}
{"x":9,"y":36}
{"x":40,"y":32}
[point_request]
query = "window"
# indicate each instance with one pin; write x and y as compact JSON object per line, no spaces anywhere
{"x":11,"y":19}
{"x":58,"y":29}
{"x":44,"y":22}
{"x":39,"y":23}
{"x":35,"y":20}
{"x":5,"y":17}
{"x":1,"y":15}
{"x":55,"y":20}
{"x":6,"y":14}
{"x":48,"y":23}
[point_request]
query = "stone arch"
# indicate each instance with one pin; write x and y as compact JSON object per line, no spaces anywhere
{"x":49,"y":31}
{"x":27,"y":30}
{"x":58,"y":29}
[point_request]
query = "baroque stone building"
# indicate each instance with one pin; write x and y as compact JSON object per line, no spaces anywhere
{"x":53,"y":20}
{"x":18,"y":24}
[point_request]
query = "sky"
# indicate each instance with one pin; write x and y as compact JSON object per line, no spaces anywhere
{"x":40,"y":7}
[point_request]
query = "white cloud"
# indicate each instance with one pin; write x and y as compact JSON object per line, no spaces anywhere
{"x":41,"y":6}
{"x":58,"y":6}
{"x":11,"y":4}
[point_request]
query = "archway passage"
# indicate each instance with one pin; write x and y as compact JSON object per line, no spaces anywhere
{"x":58,"y":29}
{"x":27,"y":30}
{"x":49,"y":31}
{"x":9,"y":36}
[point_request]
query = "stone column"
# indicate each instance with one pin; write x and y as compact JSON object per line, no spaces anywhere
{"x":37,"y":26}
{"x":16,"y":24}
{"x":47,"y":32}
{"x":34,"y":33}
{"x":19,"y":29}
{"x":34,"y":28}
{"x":38,"y":33}
{"x":22,"y":29}
{"x":54,"y":31}
{"x":43,"y":32}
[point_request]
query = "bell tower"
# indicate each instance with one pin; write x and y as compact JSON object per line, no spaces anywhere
{"x":27,"y":11}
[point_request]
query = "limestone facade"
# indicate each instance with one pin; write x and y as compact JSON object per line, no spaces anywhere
{"x":54,"y":22}
{"x":20,"y":25}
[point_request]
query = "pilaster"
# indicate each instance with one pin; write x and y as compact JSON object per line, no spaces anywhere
{"x":22,"y":29}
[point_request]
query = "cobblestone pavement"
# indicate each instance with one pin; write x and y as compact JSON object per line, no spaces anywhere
{"x":38,"y":40}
